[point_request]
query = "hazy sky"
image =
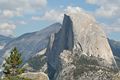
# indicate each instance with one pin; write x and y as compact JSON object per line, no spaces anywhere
{"x":21,"y":16}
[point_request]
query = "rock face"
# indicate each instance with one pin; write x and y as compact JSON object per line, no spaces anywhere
{"x":63,"y":40}
{"x":35,"y":76}
{"x":91,"y":37}
{"x":79,"y":35}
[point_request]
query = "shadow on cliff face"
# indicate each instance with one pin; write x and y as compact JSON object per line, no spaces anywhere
{"x":63,"y":40}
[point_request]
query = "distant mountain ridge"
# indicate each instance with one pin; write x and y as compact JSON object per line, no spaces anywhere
{"x":33,"y":48}
{"x":4,"y":40}
{"x":43,"y":35}
{"x":115,"y":46}
{"x":30,"y":43}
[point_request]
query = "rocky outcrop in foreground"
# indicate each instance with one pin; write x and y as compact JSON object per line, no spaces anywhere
{"x":35,"y":76}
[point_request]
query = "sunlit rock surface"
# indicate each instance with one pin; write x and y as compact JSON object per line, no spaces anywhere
{"x":80,"y":35}
{"x":35,"y":76}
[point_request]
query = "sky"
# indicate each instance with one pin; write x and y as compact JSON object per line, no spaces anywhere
{"x":22,"y":16}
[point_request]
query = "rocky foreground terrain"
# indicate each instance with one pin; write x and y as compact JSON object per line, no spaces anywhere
{"x":35,"y":76}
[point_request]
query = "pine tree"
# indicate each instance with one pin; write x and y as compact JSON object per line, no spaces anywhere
{"x":12,"y":64}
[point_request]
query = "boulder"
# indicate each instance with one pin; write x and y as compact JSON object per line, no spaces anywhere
{"x":35,"y":75}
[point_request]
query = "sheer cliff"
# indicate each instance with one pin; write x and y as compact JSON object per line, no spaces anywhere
{"x":80,"y":35}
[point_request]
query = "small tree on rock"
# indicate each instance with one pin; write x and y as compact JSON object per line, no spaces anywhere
{"x":13,"y":63}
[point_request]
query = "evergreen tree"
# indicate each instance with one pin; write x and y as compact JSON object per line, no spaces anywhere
{"x":12,"y":64}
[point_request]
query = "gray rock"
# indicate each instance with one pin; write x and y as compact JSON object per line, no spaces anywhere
{"x":35,"y":76}
{"x":79,"y":35}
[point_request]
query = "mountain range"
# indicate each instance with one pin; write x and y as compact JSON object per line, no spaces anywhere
{"x":61,"y":47}
{"x":4,"y":40}
{"x":32,"y":43}
{"x":29,"y":44}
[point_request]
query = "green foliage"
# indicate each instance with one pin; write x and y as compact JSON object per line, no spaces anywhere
{"x":15,"y":78}
{"x":84,"y":64}
{"x":12,"y":66}
{"x":15,"y":58}
{"x":85,"y":60}
{"x":37,"y":62}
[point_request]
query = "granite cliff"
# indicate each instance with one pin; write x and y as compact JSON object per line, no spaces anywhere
{"x":80,"y":41}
